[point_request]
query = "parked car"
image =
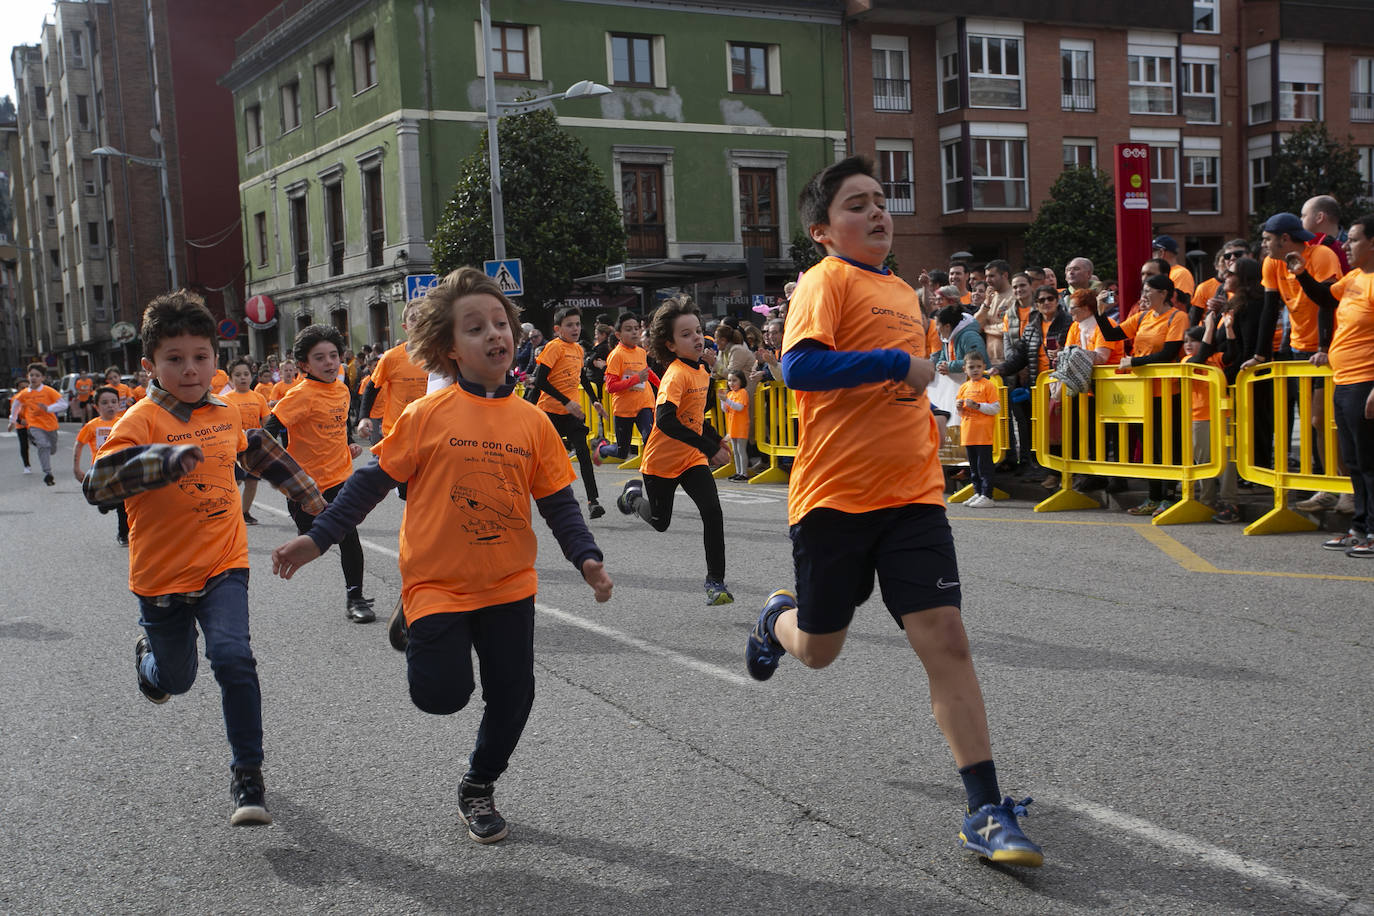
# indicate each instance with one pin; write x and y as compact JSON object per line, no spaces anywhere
{"x":67,"y":388}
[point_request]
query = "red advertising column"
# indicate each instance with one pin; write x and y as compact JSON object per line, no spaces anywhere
{"x":1134,"y":227}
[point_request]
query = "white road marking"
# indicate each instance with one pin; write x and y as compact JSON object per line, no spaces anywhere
{"x":1172,"y":840}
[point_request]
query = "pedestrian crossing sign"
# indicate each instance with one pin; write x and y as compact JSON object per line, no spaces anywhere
{"x":507,"y":275}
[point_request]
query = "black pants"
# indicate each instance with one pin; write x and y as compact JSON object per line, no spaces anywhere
{"x":625,"y":427}
{"x":1021,"y":419}
{"x":350,"y":548}
{"x":574,"y":434}
{"x":23,"y":444}
{"x":439,"y":668}
{"x":656,"y":508}
{"x":1356,"y":437}
{"x":980,"y":468}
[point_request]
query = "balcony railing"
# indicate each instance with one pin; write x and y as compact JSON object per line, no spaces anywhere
{"x":646,"y":240}
{"x":1079,"y":95}
{"x":336,"y":258}
{"x":1362,"y":106}
{"x":900,"y":197}
{"x":891,"y":95}
{"x":375,"y":240}
{"x":765,"y":237}
{"x":302,"y":267}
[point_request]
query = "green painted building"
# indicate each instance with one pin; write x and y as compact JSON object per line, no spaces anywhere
{"x":354,"y":115}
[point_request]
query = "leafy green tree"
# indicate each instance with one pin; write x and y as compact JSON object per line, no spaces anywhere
{"x":1310,"y":162}
{"x":561,"y":216}
{"x":1077,"y":220}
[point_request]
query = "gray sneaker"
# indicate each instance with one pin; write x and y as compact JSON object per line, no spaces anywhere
{"x":477,"y":805}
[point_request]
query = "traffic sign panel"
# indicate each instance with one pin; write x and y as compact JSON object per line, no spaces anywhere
{"x":228,"y":329}
{"x":615,"y":273}
{"x":507,"y":275}
{"x":418,"y":284}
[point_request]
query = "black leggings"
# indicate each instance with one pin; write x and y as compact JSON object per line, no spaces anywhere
{"x":574,"y":434}
{"x":350,"y":548}
{"x":625,"y":427}
{"x":23,"y":444}
{"x":656,"y":508}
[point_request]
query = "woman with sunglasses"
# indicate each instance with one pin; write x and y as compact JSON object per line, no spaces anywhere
{"x":1156,"y":331}
{"x":1028,"y":354}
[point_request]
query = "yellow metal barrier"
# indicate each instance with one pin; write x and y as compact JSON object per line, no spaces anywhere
{"x":1296,"y":381}
{"x":775,"y":429}
{"x":1124,"y":402}
{"x":953,"y":455}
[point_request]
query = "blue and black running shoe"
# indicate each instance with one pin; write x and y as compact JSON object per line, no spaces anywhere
{"x":993,"y":833}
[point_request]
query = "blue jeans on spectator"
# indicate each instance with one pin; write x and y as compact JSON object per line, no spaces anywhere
{"x":222,"y":613}
{"x":439,"y":668}
{"x":1356,"y":437}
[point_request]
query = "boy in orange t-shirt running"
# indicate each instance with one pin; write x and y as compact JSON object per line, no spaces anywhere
{"x":36,"y":407}
{"x":854,"y":351}
{"x":475,"y":457}
{"x":253,"y":411}
{"x":93,"y":436}
{"x":559,"y":370}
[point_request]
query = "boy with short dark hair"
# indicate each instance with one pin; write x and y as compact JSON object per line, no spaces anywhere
{"x":855,"y":352}
{"x":171,"y":459}
{"x":93,"y":435}
{"x":36,"y":407}
{"x":558,"y":372}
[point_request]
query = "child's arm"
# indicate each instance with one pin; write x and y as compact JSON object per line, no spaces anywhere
{"x":129,"y":471}
{"x":76,"y":461}
{"x":369,"y":395}
{"x":591,"y":391}
{"x":564,"y":518}
{"x":57,"y":406}
{"x":812,"y":366}
{"x":266,"y":458}
{"x":361,"y":493}
{"x":707,"y":441}
{"x":991,"y":408}
{"x":730,"y":404}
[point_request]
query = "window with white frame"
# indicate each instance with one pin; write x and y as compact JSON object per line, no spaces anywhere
{"x":994,"y":72}
{"x":1079,"y":89}
{"x":754,"y":68}
{"x":894,"y":173}
{"x":632,"y":59}
{"x":1080,"y":152}
{"x":952,"y":172}
{"x":1362,"y":89}
{"x":1300,"y":81}
{"x":1260,"y":158}
{"x":1202,"y":174}
{"x":516,"y":51}
{"x":1150,"y":78}
{"x":891,"y":73}
{"x":997,"y":167}
{"x":1163,"y":177}
{"x":1198,"y":79}
{"x":1259,"y":83}
{"x":1365,"y":161}
{"x":88,"y":180}
{"x":947,"y":60}
{"x":1205,"y":16}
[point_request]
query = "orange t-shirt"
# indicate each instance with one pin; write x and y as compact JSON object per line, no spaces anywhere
{"x":1322,"y":264}
{"x":880,"y":431}
{"x":280,"y":388}
{"x":473,"y":465}
{"x":95,"y":432}
{"x":84,"y":387}
{"x":737,"y":421}
{"x":184,"y":533}
{"x":217,"y":383}
{"x":1182,"y":277}
{"x":265,"y":389}
{"x":252,"y":407}
{"x":1150,"y":332}
{"x":1204,"y":292}
{"x":1201,"y":403}
{"x":1352,"y":348}
{"x":976,"y":427}
{"x":565,"y":372}
{"x":398,"y":382}
{"x":138,"y":393}
{"x":34,"y":406}
{"x":685,"y":385}
{"x":316,"y":416}
{"x":626,"y":362}
{"x":1115,"y":348}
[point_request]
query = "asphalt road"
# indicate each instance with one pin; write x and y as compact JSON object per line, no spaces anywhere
{"x":1189,"y":708}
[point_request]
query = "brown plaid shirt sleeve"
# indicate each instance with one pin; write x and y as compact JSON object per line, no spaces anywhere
{"x":266,"y":458}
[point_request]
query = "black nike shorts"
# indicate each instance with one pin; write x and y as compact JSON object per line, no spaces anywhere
{"x":910,"y":549}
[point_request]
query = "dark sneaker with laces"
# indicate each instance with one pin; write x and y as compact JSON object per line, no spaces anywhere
{"x":145,"y":686}
{"x":250,"y":806}
{"x":248,"y":519}
{"x":1344,"y":542}
{"x":630,"y":494}
{"x":48,"y":479}
{"x":594,"y":509}
{"x":477,"y":805}
{"x":396,"y":632}
{"x":762,"y":652}
{"x":360,"y":610}
{"x":993,"y":833}
{"x":717,"y":593}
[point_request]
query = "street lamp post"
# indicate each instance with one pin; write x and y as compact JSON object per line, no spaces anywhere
{"x":167,"y":234}
{"x":580,"y":89}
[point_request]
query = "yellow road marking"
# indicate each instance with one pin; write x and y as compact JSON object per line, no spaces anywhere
{"x":1175,"y":551}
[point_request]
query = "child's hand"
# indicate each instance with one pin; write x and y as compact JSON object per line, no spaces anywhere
{"x":1295,"y":265}
{"x":292,"y":555}
{"x":575,"y":411}
{"x":365,"y":427}
{"x":187,"y":459}
{"x":921,"y":374}
{"x":722,"y":456}
{"x":354,"y":450}
{"x":600,"y":408}
{"x":595,"y":573}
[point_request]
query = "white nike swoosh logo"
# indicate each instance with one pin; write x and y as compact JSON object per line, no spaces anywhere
{"x":941,"y":583}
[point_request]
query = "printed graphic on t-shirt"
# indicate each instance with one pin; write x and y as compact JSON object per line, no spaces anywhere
{"x":489,"y":504}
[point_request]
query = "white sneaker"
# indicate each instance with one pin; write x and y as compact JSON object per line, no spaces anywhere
{"x":976,"y":501}
{"x":28,"y":470}
{"x":1317,"y":501}
{"x":1346,"y":503}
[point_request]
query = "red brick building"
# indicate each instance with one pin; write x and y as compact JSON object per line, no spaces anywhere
{"x":973,"y":111}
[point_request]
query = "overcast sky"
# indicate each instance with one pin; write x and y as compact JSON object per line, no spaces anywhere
{"x":21,"y":23}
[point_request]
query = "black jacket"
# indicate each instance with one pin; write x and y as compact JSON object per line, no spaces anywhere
{"x":1022,"y":363}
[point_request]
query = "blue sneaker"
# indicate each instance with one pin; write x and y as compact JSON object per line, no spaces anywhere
{"x":630,"y":494}
{"x":992,"y":832}
{"x":762,"y":652}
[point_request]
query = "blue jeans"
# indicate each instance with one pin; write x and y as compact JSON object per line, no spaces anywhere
{"x":171,"y":666}
{"x":1356,"y":437}
{"x":439,"y":668}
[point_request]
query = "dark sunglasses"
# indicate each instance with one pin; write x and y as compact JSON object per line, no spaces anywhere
{"x":1232,"y":255}
{"x":1046,"y":299}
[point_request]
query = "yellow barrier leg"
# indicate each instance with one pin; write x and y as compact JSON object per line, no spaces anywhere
{"x":1280,"y":519}
{"x":962,"y":494}
{"x":724,"y":471}
{"x":1067,"y":498}
{"x":631,"y":463}
{"x":774,"y":473}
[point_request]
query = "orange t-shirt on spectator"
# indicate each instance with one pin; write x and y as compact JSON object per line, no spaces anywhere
{"x":684,"y":384}
{"x":1182,"y":278}
{"x":1352,"y":347}
{"x":184,"y":533}
{"x":737,"y":421}
{"x":1150,"y":332}
{"x":315,"y":415}
{"x":565,"y":372}
{"x":472,"y":466}
{"x":976,"y":427}
{"x":1201,"y":402}
{"x":1322,"y":264}
{"x":1204,"y":292}
{"x":846,"y":308}
{"x":1115,"y":348}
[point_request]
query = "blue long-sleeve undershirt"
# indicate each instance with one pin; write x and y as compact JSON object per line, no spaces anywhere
{"x":812,"y":366}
